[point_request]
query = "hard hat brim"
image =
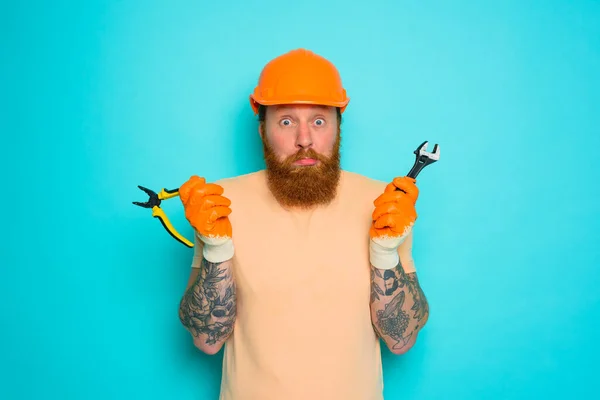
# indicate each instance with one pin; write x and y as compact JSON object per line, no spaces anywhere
{"x":255,"y":102}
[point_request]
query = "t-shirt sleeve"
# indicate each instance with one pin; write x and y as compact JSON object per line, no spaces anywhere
{"x":406,"y":256}
{"x":198,"y":255}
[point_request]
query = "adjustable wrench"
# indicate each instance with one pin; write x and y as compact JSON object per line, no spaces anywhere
{"x":423,"y":159}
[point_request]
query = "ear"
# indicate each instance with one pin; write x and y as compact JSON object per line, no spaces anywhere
{"x":261,"y":130}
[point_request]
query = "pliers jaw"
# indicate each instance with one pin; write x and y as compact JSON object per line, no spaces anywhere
{"x":153,"y":199}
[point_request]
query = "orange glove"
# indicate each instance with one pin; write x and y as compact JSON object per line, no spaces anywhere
{"x":207,"y":210}
{"x":393,"y":219}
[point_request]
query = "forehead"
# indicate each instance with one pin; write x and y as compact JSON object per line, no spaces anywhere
{"x":301,"y":108}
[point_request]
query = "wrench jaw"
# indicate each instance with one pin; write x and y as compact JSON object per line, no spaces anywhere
{"x":435,"y":154}
{"x":422,"y":151}
{"x":424,"y":158}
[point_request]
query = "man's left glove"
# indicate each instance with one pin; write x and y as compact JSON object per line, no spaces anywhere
{"x":393,"y":219}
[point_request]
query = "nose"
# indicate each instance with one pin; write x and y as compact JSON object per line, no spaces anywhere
{"x":304,"y":136}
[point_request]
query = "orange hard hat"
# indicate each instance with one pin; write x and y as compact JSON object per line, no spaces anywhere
{"x":299,"y":77}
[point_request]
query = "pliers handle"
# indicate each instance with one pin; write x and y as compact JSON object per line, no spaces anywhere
{"x":157,"y":212}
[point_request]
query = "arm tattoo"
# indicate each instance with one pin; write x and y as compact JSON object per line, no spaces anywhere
{"x":390,"y":290}
{"x":208,"y":307}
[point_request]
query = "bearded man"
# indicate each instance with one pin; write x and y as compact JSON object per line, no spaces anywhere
{"x":302,"y":269}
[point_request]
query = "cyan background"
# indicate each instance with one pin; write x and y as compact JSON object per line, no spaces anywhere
{"x":100,"y":96}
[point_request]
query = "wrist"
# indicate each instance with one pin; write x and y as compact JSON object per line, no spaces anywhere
{"x":383,"y":253}
{"x":217,"y":250}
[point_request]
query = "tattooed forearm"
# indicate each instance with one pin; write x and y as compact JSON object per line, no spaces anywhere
{"x":399,"y":308}
{"x":208,"y":307}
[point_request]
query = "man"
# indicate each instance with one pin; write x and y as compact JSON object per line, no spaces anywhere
{"x":300,"y":268}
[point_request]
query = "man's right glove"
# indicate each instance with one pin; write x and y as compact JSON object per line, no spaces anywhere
{"x":207,"y":210}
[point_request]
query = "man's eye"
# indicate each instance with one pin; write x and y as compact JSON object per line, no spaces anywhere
{"x":320,"y":122}
{"x":286,"y":122}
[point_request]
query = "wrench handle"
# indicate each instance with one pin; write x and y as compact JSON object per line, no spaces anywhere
{"x":420,"y":163}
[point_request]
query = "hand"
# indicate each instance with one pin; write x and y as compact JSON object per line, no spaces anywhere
{"x":393,"y":219}
{"x":207,"y":210}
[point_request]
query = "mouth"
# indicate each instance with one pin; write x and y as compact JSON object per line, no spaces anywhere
{"x":306,"y":162}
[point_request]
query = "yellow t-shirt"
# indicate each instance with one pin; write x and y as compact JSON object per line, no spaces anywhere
{"x":303,"y":327}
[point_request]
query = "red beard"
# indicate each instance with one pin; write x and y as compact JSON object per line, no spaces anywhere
{"x":303,"y":187}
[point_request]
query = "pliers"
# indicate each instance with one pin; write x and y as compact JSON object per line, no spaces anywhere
{"x":157,"y":212}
